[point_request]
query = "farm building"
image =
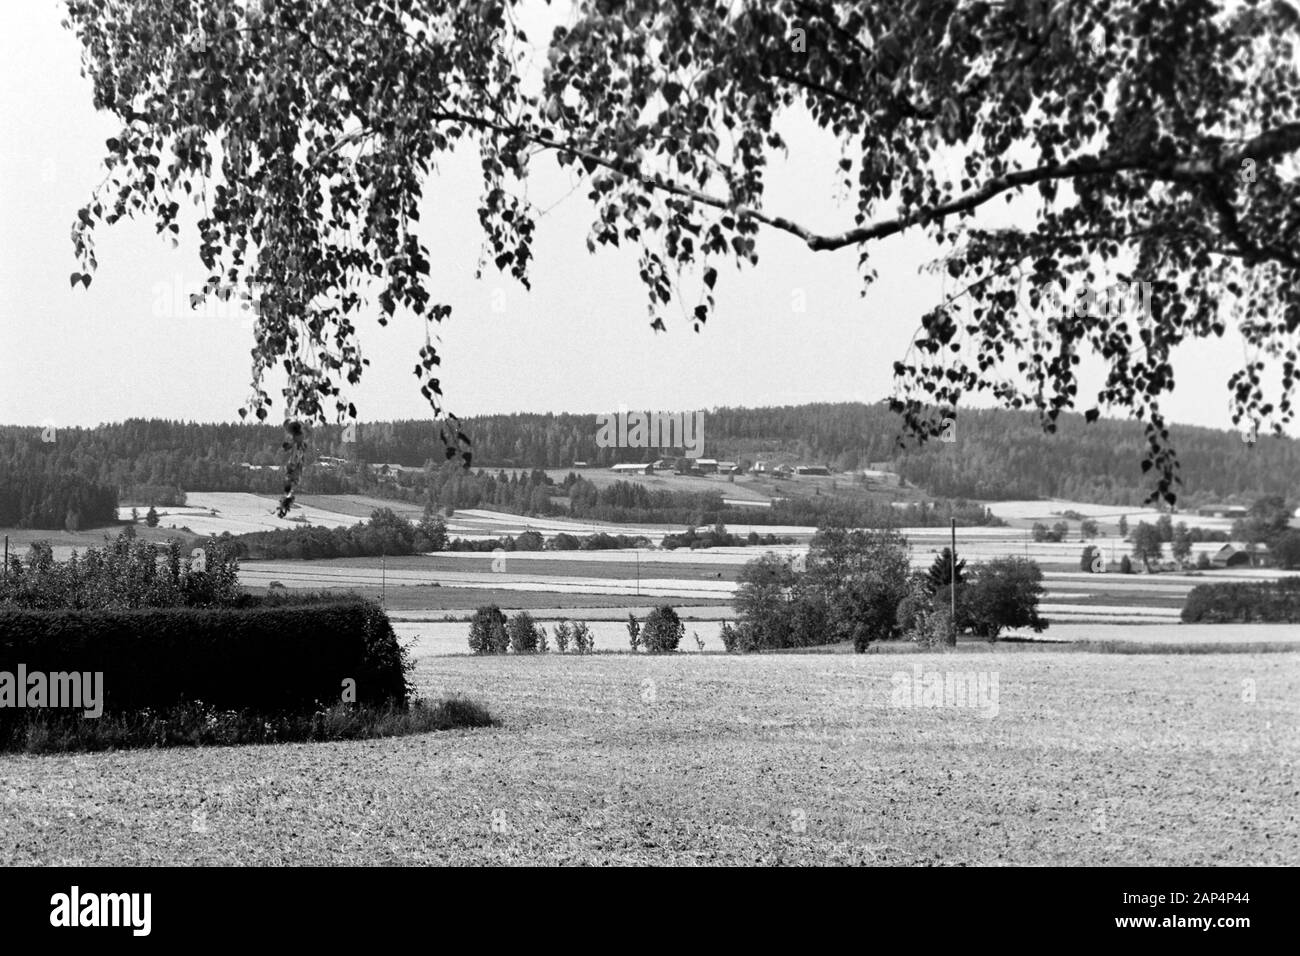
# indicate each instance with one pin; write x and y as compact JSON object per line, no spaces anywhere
{"x":728,"y":468}
{"x":706,"y":466}
{"x":580,"y":464}
{"x":630,"y":468}
{"x":1231,"y":556}
{"x":1222,"y":511}
{"x":760,"y":466}
{"x":812,"y":470}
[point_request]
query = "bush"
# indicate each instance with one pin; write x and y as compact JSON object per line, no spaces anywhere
{"x":663,"y":630}
{"x":583,"y":639}
{"x":1125,"y":565}
{"x":522,"y":633}
{"x":563,"y":634}
{"x":487,"y":631}
{"x":1286,"y":550}
{"x":810,"y":619}
{"x":912,"y":611}
{"x":1004,"y":594}
{"x":936,"y":628}
{"x":529,"y":541}
{"x":633,"y":632}
{"x":1271,"y":602}
{"x":268,"y":660}
{"x":1203,"y":562}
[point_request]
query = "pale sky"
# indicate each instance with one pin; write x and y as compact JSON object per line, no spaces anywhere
{"x":579,"y":342}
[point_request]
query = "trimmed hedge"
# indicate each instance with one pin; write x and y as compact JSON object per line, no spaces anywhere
{"x":1263,"y":602}
{"x":261,"y":659}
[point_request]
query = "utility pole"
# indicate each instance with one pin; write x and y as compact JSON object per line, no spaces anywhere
{"x":383,"y":580}
{"x":952,"y":588}
{"x":5,"y":573}
{"x":638,"y":572}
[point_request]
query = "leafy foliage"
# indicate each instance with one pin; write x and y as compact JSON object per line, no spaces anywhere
{"x":487,"y":631}
{"x":291,"y":658}
{"x":943,"y":574}
{"x":1147,"y":544}
{"x":563,"y":635}
{"x":1004,"y":594}
{"x":1154,"y":142}
{"x":128,"y":573}
{"x":1244,"y":602}
{"x":851,"y":592}
{"x":663,"y":630}
{"x":584,"y":641}
{"x":523,"y":633}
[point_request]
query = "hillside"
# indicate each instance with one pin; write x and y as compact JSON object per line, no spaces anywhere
{"x":81,"y":475}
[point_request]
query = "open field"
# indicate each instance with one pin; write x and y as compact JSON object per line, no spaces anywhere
{"x":563,"y":578}
{"x":611,"y":578}
{"x":1023,"y":513}
{"x":800,"y":759}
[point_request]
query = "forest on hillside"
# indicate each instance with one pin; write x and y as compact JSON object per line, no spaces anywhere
{"x":83,"y":474}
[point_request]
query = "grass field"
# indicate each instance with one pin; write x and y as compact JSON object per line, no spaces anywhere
{"x":799,"y":759}
{"x":607,"y":578}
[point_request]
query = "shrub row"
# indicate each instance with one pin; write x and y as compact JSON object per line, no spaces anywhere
{"x":492,"y":632}
{"x":1253,"y":602}
{"x":283,"y":659}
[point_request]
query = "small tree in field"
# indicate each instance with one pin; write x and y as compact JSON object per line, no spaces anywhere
{"x":487,"y":631}
{"x":1146,"y":544}
{"x":633,"y":632}
{"x":433,"y":529}
{"x":663,"y":630}
{"x":1181,"y":543}
{"x":151,"y":517}
{"x":563,"y":634}
{"x":583,"y":639}
{"x":523,"y":633}
{"x":1003,"y":595}
{"x":941,"y":571}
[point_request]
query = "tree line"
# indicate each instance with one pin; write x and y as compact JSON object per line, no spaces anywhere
{"x":81,"y":476}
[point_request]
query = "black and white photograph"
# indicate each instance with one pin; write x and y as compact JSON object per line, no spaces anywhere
{"x":748,"y":434}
